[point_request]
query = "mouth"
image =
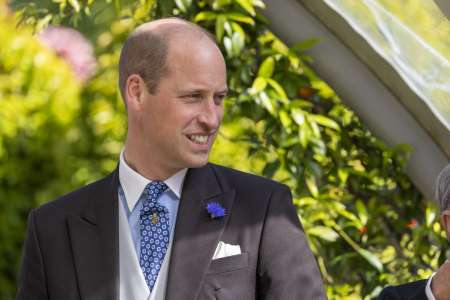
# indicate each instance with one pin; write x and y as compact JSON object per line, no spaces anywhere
{"x":199,"y":139}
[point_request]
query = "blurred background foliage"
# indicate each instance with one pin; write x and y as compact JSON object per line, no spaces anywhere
{"x":367,"y":224}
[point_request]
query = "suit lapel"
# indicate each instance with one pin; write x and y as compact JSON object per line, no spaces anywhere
{"x":94,"y":240}
{"x":196,"y":234}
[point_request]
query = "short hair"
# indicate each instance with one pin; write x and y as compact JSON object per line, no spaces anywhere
{"x":145,"y":53}
{"x":442,"y":188}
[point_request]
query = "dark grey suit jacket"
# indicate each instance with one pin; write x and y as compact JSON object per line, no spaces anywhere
{"x":71,"y":249}
{"x":409,"y":291}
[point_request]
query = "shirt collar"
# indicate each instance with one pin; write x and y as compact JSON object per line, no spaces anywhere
{"x":133,"y":183}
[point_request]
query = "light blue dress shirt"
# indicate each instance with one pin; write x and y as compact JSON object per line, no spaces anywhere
{"x":133,"y":185}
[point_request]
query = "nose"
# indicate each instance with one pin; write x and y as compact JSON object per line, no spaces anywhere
{"x":211,"y":114}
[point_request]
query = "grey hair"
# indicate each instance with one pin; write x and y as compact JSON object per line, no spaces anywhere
{"x":442,"y":188}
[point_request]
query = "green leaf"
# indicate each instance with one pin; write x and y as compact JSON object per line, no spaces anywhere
{"x":343,"y":175}
{"x":324,"y":121}
{"x":258,"y":3}
{"x":220,"y":4}
{"x":314,"y":128}
{"x":312,"y":185}
{"x":430,"y":216}
{"x":205,"y":16}
{"x":237,"y":28}
{"x":228,"y":46}
{"x":298,"y":115}
{"x":285,"y":119}
{"x":267,"y":67}
{"x":270,"y":168}
{"x":267,"y":103}
{"x":286,"y":143}
{"x":43,"y":23}
{"x":181,"y":5}
{"x":305,"y":44}
{"x":237,"y":42}
{"x":362,"y":211}
{"x":371,"y":259}
{"x":238,"y":17}
{"x":247,"y":5}
{"x":220,"y":27}
{"x":278,"y":89}
{"x":75,"y":5}
{"x":324,"y":233}
{"x":280,"y":47}
{"x":258,"y":85}
{"x":228,"y":28}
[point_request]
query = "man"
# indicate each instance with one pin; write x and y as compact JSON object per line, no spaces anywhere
{"x":437,"y":287}
{"x":167,"y":224}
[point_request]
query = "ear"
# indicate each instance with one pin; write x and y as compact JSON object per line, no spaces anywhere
{"x":445,"y":221}
{"x":134,"y":90}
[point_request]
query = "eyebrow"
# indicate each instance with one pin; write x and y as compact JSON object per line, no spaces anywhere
{"x":194,"y":91}
{"x":224,"y":91}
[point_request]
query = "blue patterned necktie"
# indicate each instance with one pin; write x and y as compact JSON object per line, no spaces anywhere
{"x":154,"y":223}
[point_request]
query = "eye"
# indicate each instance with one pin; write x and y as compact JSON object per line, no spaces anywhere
{"x":218,"y":99}
{"x":192,"y":97}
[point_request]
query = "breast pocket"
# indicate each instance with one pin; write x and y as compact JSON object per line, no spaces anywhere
{"x":229,"y":263}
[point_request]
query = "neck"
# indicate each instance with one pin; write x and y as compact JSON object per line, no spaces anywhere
{"x":142,"y":162}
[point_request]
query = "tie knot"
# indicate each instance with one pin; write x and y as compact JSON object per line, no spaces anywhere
{"x":154,"y":189}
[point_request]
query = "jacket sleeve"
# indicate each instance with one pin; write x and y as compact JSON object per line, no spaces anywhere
{"x":31,"y":284}
{"x":287,"y":268}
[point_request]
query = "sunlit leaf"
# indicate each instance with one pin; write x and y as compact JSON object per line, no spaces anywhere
{"x":305,"y":44}
{"x":75,"y":5}
{"x":298,"y":116}
{"x":220,"y":27}
{"x":279,"y":90}
{"x":267,"y":103}
{"x":205,"y":16}
{"x":267,"y":67}
{"x":372,"y":259}
{"x":312,"y":185}
{"x":430,"y":216}
{"x":237,"y":43}
{"x":285,"y":118}
{"x":238,"y":17}
{"x":228,"y":46}
{"x":324,"y":233}
{"x":362,"y":212}
{"x":247,"y":5}
{"x":258,"y":85}
{"x":324,"y":121}
{"x":237,"y":28}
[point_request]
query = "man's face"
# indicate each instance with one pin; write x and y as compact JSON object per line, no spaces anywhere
{"x":181,"y":120}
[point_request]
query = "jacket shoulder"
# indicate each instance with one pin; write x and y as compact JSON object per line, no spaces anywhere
{"x":73,"y":201}
{"x":235,"y":177}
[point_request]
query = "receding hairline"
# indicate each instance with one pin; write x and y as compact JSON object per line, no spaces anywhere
{"x":166,"y":32}
{"x":170,"y":25}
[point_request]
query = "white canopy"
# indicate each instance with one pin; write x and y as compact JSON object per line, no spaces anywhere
{"x":381,"y":66}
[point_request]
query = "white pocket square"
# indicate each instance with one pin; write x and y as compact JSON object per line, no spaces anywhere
{"x":224,"y":250}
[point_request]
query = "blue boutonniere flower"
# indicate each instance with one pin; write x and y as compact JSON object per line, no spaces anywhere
{"x":215,"y":210}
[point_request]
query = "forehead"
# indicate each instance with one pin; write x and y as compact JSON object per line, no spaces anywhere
{"x":196,"y":60}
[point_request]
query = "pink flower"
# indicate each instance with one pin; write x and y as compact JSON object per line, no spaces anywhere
{"x":73,"y":47}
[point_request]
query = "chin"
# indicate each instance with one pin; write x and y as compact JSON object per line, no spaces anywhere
{"x":197,"y":162}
